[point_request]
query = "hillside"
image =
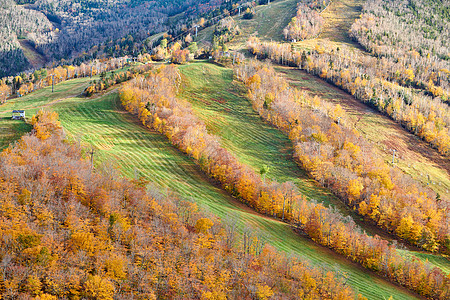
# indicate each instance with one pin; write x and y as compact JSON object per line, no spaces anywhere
{"x":117,"y":137}
{"x":35,"y":33}
{"x":241,"y":142}
{"x":414,"y":156}
{"x":124,"y":240}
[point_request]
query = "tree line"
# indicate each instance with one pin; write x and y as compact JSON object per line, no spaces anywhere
{"x":28,"y":82}
{"x":366,"y":79}
{"x":153,"y":99}
{"x":69,"y":230}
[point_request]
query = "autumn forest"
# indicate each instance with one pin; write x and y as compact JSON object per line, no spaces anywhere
{"x":216,"y":149}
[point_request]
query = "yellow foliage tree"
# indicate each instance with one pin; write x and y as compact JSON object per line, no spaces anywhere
{"x":354,"y":189}
{"x":98,"y":288}
{"x":203,"y":225}
{"x":264,"y":292}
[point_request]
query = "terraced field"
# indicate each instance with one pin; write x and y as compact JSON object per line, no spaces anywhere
{"x":121,"y":141}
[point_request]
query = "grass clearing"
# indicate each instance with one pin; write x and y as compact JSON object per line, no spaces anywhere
{"x":219,"y":102}
{"x":268,"y":24}
{"x":11,"y":130}
{"x":339,"y":17}
{"x":36,"y":59}
{"x":120,"y":139}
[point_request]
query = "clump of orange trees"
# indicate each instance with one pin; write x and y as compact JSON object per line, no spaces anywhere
{"x":70,"y":231}
{"x":153,"y":99}
{"x":367,"y":80}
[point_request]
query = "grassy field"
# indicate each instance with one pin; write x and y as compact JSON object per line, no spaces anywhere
{"x":122,"y":142}
{"x":219,"y":102}
{"x":11,"y":130}
{"x":268,"y":24}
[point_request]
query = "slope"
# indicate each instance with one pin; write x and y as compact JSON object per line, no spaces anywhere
{"x":268,"y":24}
{"x":119,"y":138}
{"x":413,"y":155}
{"x":12,"y":130}
{"x":220,"y":103}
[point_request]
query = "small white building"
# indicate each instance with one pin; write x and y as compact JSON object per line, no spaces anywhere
{"x":18,"y":114}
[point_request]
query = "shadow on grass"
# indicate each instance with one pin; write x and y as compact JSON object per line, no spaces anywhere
{"x":12,"y":130}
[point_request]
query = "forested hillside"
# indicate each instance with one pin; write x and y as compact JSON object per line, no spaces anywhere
{"x":74,"y":232}
{"x":61,"y":29}
{"x":18,"y":23}
{"x":413,"y":34}
{"x":292,"y":150}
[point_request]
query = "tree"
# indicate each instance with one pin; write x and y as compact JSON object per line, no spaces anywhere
{"x":263,"y":171}
{"x":203,"y":225}
{"x":98,"y":288}
{"x":193,"y":48}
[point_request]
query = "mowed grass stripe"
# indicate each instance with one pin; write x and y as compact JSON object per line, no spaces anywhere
{"x":132,"y":139}
{"x":160,"y":162}
{"x":97,"y":121}
{"x":11,"y":130}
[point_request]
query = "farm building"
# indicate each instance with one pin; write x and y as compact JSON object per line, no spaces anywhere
{"x":18,"y":114}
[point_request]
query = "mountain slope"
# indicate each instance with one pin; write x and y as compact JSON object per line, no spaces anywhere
{"x":117,"y":137}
